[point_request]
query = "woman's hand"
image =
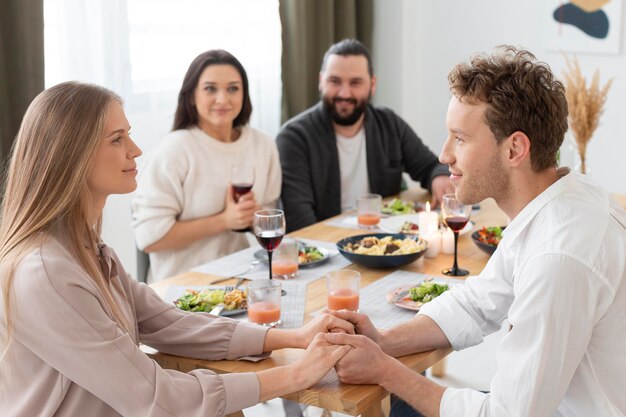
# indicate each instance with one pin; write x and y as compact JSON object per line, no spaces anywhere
{"x":303,"y":336}
{"x":313,"y":365}
{"x":319,"y":358}
{"x":239,"y":215}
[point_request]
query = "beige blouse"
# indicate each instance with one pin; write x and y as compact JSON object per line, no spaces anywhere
{"x":69,"y":358}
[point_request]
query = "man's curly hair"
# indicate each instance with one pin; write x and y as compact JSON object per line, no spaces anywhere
{"x":521,"y":93}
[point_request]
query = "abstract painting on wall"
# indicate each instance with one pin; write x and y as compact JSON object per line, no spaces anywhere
{"x":583,"y":25}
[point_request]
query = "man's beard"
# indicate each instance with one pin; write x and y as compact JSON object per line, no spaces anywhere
{"x":350,"y":119}
{"x":494,"y":183}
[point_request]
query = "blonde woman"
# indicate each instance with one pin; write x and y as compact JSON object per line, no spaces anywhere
{"x":71,"y":319}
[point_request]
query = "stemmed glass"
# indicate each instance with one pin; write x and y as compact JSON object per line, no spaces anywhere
{"x":269,"y":229}
{"x":241,"y":181}
{"x":455,"y":215}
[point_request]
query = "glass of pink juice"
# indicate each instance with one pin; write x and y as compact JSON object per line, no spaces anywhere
{"x":264,"y":302}
{"x":368,"y":210}
{"x":343,"y":289}
{"x":285,"y":260}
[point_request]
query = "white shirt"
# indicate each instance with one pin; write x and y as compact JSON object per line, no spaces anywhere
{"x":187,"y":177}
{"x":353,"y":168}
{"x":559,"y":275}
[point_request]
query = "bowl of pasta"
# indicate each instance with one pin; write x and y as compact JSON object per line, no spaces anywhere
{"x":382,"y":250}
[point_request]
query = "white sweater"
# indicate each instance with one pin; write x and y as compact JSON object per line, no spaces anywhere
{"x":186,"y":178}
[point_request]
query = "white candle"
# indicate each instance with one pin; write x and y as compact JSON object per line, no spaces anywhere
{"x":428,"y":221}
{"x":447,"y":241}
{"x":434,"y":244}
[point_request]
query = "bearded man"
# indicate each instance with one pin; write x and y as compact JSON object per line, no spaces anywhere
{"x":344,"y":147}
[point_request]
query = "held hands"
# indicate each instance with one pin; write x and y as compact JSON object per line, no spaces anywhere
{"x":439,"y":186}
{"x":318,"y":359}
{"x":362,"y":323}
{"x":324,"y":323}
{"x":365,"y":363}
{"x":239,"y":215}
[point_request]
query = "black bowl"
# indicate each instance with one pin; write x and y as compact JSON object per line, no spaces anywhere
{"x":379,"y":261}
{"x":485,"y":247}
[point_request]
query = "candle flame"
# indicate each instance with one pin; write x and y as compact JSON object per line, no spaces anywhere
{"x":428,"y":206}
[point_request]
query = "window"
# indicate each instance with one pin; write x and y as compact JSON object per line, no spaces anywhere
{"x":141,"y":49}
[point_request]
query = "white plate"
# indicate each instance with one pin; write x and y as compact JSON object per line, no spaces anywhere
{"x":393,"y":224}
{"x":225,"y":313}
{"x":326,"y":255}
{"x":400,"y":296}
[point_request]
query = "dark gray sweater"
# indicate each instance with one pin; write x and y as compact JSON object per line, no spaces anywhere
{"x":307,"y":146}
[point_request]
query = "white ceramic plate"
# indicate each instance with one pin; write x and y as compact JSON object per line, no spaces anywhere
{"x":400,"y":296}
{"x":262,"y":256}
{"x":225,"y":313}
{"x":393,"y":224}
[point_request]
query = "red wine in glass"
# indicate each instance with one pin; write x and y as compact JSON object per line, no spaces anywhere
{"x":241,"y":189}
{"x":455,"y":215}
{"x":270,"y":240}
{"x":241,"y":180}
{"x":456,"y":223}
{"x":269,"y":229}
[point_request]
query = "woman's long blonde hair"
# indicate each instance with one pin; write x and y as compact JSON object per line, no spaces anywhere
{"x":46,"y":191}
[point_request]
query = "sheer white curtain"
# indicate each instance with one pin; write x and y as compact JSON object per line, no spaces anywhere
{"x":141,"y":50}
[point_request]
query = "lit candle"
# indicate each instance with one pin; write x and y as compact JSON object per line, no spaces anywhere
{"x":447,"y":241}
{"x":428,"y":221}
{"x":434,"y":244}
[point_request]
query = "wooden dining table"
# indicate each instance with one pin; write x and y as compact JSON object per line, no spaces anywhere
{"x":330,"y":393}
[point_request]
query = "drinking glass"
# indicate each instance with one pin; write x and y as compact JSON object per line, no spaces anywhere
{"x":343,"y":289}
{"x":285,"y":262}
{"x":368,"y":210}
{"x":269,"y":229}
{"x":241,"y":178}
{"x":455,"y":215}
{"x":241,"y":181}
{"x":264,"y":302}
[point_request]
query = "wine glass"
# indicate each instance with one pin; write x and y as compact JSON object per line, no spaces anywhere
{"x":241,"y":178}
{"x":455,"y":215}
{"x":269,"y":229}
{"x":241,"y":181}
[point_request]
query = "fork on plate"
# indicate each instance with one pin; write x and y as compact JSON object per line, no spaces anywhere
{"x":220,"y":307}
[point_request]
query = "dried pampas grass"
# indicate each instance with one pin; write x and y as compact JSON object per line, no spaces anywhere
{"x":586,"y":105}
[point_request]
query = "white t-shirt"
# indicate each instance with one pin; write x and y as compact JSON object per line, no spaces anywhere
{"x":353,"y":168}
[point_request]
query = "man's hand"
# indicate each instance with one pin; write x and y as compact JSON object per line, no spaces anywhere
{"x":365,"y":363}
{"x":317,"y":361}
{"x":439,"y":186}
{"x":362,"y":324}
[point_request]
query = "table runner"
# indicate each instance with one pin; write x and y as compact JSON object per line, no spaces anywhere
{"x":238,"y":262}
{"x":293,"y":303}
{"x":383,"y":314}
{"x":291,"y":309}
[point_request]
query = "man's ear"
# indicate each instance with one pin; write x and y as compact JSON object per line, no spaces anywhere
{"x":373,"y":85}
{"x":320,"y":81}
{"x":518,"y":148}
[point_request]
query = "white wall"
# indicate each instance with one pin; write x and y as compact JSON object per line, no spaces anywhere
{"x":416,"y":43}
